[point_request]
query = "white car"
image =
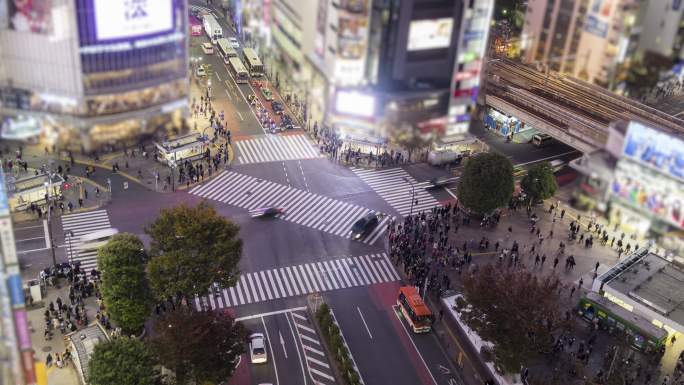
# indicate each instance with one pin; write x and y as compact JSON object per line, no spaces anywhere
{"x":234,"y":42}
{"x":201,"y":72}
{"x":257,"y":349}
{"x":207,"y":48}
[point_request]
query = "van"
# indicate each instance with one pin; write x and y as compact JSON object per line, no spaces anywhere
{"x":96,"y":239}
{"x":557,"y":164}
{"x":540,"y":140}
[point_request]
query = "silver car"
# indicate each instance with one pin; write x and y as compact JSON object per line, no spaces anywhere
{"x":257,"y":349}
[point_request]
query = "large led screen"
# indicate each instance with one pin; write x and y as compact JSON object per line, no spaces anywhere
{"x":119,"y":19}
{"x":355,"y":103}
{"x":430,"y":34}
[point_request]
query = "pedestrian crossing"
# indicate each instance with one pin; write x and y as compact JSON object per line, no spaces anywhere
{"x":274,"y":148}
{"x":81,"y":224}
{"x":395,"y":186}
{"x":317,"y":363}
{"x":291,"y":281}
{"x":301,"y":207}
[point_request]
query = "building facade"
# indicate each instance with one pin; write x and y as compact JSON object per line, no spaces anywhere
{"x":96,"y":71}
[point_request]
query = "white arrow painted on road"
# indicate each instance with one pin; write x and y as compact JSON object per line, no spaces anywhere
{"x":444,"y":369}
{"x":282,"y":342}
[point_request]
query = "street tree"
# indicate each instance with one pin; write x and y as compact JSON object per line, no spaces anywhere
{"x":486,"y":183}
{"x":125,"y":289}
{"x":514,"y":309}
{"x":122,"y":361}
{"x":539,"y":183}
{"x":191,"y":248}
{"x":198,"y":346}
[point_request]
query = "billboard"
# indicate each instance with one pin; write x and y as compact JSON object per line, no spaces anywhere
{"x":33,"y":16}
{"x":598,"y":18}
{"x":119,"y":19}
{"x":430,"y":34}
{"x":655,"y":150}
{"x":355,"y":103}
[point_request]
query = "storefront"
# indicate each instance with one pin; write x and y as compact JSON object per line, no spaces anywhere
{"x":505,"y":125}
{"x":186,"y":147}
{"x":32,"y":189}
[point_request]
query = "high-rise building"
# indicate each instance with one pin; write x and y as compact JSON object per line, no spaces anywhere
{"x":93,"y":72}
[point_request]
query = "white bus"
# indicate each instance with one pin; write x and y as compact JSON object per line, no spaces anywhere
{"x":256,"y":69}
{"x":226,"y":50}
{"x":239,"y":71}
{"x":212,"y":28}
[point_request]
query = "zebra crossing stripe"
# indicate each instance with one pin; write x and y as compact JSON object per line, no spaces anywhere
{"x":307,"y":209}
{"x":319,"y":276}
{"x":270,"y":148}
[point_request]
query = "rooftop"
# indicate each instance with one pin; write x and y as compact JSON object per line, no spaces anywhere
{"x":653,"y":282}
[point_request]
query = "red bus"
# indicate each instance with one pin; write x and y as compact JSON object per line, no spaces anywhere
{"x":416,"y":312}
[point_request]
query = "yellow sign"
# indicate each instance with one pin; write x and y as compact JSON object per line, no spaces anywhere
{"x":41,"y":374}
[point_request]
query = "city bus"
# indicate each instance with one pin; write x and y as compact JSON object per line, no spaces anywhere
{"x":414,"y":310}
{"x":225,"y":49}
{"x":238,"y":70}
{"x":643,"y":335}
{"x":256,"y":69}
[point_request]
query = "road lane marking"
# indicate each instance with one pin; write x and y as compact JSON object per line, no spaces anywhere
{"x":364,"y":322}
{"x":27,"y":239}
{"x":415,"y":347}
{"x":254,"y":316}
{"x":217,"y":76}
{"x":275,"y":367}
{"x":294,"y":338}
{"x":228,"y":93}
{"x":240,"y":115}
{"x":325,"y":375}
{"x":282,"y":342}
{"x":28,"y":227}
{"x":450,"y":193}
{"x":547,"y":158}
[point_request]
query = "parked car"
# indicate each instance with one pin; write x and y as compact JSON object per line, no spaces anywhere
{"x":234,"y":42}
{"x":276,"y":106}
{"x":257,"y":349}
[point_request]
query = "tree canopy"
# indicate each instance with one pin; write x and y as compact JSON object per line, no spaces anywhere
{"x":125,"y":289}
{"x":122,"y":361}
{"x":539,"y":183}
{"x":191,"y":248}
{"x":515,"y":310}
{"x":486,"y":183}
{"x":199,"y":346}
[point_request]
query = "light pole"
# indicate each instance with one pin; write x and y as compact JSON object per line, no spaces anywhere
{"x":70,"y":233}
{"x":48,"y":185}
{"x":413,"y":194}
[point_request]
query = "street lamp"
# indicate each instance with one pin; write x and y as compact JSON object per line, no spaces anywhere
{"x":413,"y":193}
{"x":70,"y":233}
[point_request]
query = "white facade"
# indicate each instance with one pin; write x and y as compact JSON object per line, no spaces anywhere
{"x":660,"y":26}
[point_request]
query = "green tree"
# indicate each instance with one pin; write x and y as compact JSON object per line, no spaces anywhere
{"x":191,"y":248}
{"x":486,"y":183}
{"x":122,"y":361}
{"x":125,"y":289}
{"x":198,"y":346}
{"x":515,"y":310}
{"x":539,"y":183}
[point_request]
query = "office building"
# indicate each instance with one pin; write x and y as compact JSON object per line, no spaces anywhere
{"x":93,"y":72}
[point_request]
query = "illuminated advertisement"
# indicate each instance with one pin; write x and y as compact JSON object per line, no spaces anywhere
{"x":655,"y":149}
{"x":646,"y":190}
{"x":430,"y":34}
{"x":355,"y":103}
{"x":598,"y":17}
{"x":33,"y":16}
{"x":117,"y":19}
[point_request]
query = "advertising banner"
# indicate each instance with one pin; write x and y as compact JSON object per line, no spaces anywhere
{"x":655,"y":149}
{"x":598,"y":17}
{"x":642,"y":188}
{"x":33,"y":16}
{"x":128,"y":18}
{"x":430,"y":34}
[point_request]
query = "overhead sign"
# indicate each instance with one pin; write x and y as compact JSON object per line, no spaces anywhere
{"x":118,"y":19}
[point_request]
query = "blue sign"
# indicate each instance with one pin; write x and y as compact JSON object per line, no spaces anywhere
{"x":655,"y":149}
{"x":593,"y":25}
{"x":4,"y":204}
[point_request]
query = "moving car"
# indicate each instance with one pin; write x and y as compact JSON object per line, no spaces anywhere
{"x":234,"y":42}
{"x":207,"y":48}
{"x":200,"y":72}
{"x":268,"y":95}
{"x":257,"y":349}
{"x":364,"y":225}
{"x":441,"y":181}
{"x":266,"y":212}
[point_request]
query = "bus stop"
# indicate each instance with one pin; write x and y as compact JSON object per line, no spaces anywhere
{"x":186,"y":147}
{"x":32,"y":189}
